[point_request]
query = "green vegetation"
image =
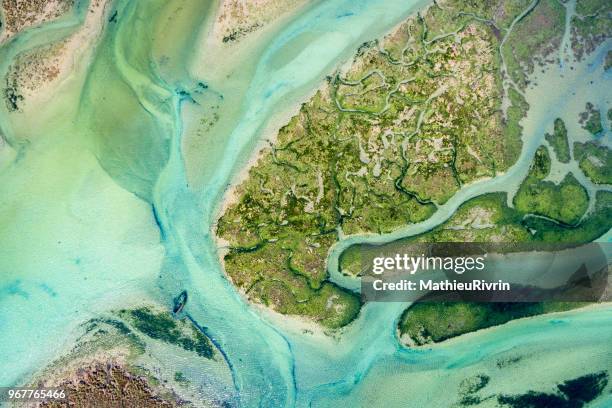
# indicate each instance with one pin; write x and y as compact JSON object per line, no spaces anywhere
{"x":107,"y":333}
{"x":416,"y":116}
{"x":558,"y":141}
{"x":487,"y":218}
{"x":566,"y":202}
{"x":595,"y":161}
{"x":607,"y":66}
{"x":162,"y":326}
{"x":433,"y":322}
{"x":179,"y":377}
{"x":591,"y":25}
{"x":534,"y":38}
{"x":469,"y":388}
{"x":590,"y":120}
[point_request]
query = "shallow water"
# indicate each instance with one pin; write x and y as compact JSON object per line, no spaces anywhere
{"x":101,"y":215}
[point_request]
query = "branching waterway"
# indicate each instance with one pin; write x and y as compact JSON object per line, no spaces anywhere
{"x":103,"y":214}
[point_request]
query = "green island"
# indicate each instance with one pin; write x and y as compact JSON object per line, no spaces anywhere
{"x":487,"y":218}
{"x":566,"y":202}
{"x":576,"y":392}
{"x":425,"y":323}
{"x":558,"y":141}
{"x":416,"y":115}
{"x":595,"y":161}
{"x":430,"y":322}
{"x":156,"y":324}
{"x":590,"y":119}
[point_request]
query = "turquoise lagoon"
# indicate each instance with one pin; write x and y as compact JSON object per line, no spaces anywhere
{"x":99,"y":213}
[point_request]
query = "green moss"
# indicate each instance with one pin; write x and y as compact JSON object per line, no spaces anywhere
{"x":595,"y":160}
{"x":607,"y":66}
{"x":558,"y":141}
{"x":416,"y":116}
{"x":376,"y":149}
{"x":162,"y":326}
{"x":350,"y":261}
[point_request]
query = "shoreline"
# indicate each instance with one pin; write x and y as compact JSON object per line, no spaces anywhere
{"x":269,"y":135}
{"x":449,"y":341}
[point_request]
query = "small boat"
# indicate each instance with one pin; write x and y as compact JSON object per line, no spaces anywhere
{"x":179,"y":302}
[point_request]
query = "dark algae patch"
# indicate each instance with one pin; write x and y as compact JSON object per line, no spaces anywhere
{"x":608,"y":64}
{"x":431,"y":322}
{"x":179,"y":302}
{"x":585,"y":388}
{"x":162,"y":326}
{"x":470,"y":387}
{"x":591,"y":26}
{"x":558,"y":141}
{"x":575,"y":393}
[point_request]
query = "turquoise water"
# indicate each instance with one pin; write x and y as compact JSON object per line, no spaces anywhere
{"x":100,"y":214}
